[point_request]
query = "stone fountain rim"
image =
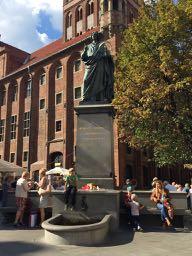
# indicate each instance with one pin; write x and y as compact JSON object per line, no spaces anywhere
{"x":51,"y":227}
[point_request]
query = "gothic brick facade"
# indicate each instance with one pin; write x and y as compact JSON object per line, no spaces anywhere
{"x":38,"y":93}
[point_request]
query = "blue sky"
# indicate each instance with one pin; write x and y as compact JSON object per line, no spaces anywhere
{"x":30,"y":24}
{"x":45,"y":26}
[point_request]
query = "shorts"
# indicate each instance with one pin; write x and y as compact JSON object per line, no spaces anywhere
{"x":21,"y":203}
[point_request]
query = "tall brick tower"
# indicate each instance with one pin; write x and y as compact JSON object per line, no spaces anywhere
{"x":117,"y":15}
{"x":79,"y":16}
{"x":110,"y":16}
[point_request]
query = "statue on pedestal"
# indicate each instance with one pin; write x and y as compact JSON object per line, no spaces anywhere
{"x":99,"y":72}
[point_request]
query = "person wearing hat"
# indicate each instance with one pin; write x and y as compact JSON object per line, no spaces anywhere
{"x":153,"y":182}
{"x":70,"y":189}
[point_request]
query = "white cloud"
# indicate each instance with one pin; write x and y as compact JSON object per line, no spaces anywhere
{"x":19,"y":20}
{"x":43,"y":38}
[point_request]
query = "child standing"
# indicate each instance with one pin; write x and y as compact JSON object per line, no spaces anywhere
{"x":135,"y":207}
{"x":70,"y":189}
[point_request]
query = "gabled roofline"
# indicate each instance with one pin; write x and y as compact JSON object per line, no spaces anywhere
{"x":48,"y":57}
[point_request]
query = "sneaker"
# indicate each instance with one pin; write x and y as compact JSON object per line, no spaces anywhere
{"x":16,"y":225}
{"x":65,"y":207}
{"x":139,"y":229}
{"x":21,"y":224}
{"x":72,"y":208}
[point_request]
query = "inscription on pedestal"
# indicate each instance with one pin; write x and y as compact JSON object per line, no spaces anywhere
{"x":94,"y":149}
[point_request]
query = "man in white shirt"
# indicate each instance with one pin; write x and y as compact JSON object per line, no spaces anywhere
{"x":21,"y":191}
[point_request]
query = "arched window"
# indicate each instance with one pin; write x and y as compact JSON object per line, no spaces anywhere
{"x":79,"y":13}
{"x":56,"y":157}
{"x":28,"y":88}
{"x":90,"y":8}
{"x":79,"y":20}
{"x":2,"y":96}
{"x":69,"y":26}
{"x":90,"y":16}
{"x":69,"y":20}
{"x":106,"y":5}
{"x":15,"y":93}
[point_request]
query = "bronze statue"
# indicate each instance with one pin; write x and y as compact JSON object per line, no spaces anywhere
{"x":99,"y":71}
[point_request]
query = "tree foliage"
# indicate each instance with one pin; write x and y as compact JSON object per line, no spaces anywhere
{"x":154,"y":81}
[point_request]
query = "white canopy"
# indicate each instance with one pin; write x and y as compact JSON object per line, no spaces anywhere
{"x":6,"y":167}
{"x":58,"y":170}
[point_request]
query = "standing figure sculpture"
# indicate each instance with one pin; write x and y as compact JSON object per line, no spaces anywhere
{"x":99,"y":71}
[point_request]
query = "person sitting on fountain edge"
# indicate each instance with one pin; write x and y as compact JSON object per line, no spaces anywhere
{"x":70,"y":189}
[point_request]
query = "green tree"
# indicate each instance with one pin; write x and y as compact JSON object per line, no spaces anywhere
{"x":154,"y":81}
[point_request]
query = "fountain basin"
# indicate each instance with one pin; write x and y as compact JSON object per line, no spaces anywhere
{"x":76,"y":229}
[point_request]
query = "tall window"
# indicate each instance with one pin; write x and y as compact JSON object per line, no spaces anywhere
{"x":58,"y":98}
{"x":58,"y":126}
{"x":78,"y":93}
{"x":90,"y":8}
{"x":59,"y":72}
{"x":12,"y":157}
{"x":42,"y":79}
{"x":42,"y":104}
{"x":15,"y":93}
{"x":2,"y":129}
{"x":2,"y":97}
{"x":79,"y":13}
{"x":28,"y":88}
{"x":25,"y":156}
{"x":77,"y":65}
{"x":13,"y":127}
{"x":69,"y":20}
{"x":26,"y":126}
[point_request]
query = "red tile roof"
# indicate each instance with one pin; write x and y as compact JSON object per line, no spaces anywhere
{"x":55,"y":47}
{"x":2,"y":44}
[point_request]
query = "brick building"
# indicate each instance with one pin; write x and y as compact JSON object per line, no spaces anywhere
{"x":38,"y":92}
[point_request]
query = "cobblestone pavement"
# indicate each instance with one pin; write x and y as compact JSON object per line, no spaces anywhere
{"x":153,"y":242}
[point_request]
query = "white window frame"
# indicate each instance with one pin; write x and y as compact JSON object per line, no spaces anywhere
{"x":56,"y":125}
{"x":13,"y":133}
{"x":56,"y":98}
{"x":40,"y":77}
{"x":58,"y":78}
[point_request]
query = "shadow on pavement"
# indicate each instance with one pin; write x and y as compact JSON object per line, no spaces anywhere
{"x":119,"y":237}
{"x":19,"y":248}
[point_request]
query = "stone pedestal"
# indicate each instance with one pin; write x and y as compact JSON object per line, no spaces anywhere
{"x":94,"y":147}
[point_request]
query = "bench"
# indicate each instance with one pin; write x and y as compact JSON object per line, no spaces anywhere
{"x":178,"y":200}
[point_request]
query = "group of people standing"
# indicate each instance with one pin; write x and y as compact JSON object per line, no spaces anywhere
{"x":24,"y":184}
{"x":44,"y":188}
